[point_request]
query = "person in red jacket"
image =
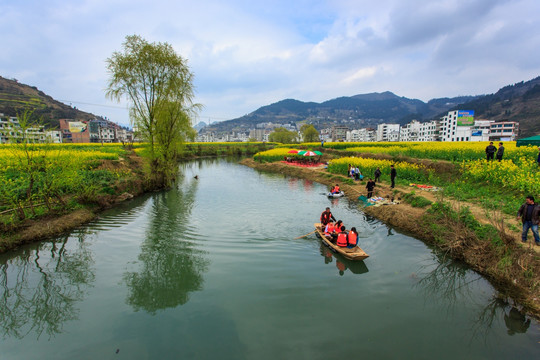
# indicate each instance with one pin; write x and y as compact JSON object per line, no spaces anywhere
{"x":326,"y":216}
{"x":342,"y":238}
{"x":329,"y":230}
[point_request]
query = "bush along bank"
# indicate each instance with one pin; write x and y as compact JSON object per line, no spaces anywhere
{"x":46,"y":190}
{"x":485,"y":246}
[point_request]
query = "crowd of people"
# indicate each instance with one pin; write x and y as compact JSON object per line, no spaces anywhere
{"x":336,"y":232}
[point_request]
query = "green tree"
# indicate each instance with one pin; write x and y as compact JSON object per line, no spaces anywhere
{"x":159,"y":85}
{"x":309,"y":133}
{"x":282,"y":135}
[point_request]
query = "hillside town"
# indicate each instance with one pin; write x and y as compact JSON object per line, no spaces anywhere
{"x":457,"y":125}
{"x":70,"y":131}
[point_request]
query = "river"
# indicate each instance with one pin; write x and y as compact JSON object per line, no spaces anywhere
{"x":212,"y":270}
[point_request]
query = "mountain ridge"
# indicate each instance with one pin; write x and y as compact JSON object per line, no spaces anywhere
{"x":519,"y":102}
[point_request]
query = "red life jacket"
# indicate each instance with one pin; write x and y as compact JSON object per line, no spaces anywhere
{"x":330,"y":228}
{"x":342,"y":239}
{"x":352,"y":238}
{"x":336,"y":189}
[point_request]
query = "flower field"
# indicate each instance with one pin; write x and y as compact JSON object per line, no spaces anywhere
{"x":523,"y":176}
{"x":406,"y":170}
{"x":517,"y":174}
{"x":43,"y":174}
{"x":450,"y":151}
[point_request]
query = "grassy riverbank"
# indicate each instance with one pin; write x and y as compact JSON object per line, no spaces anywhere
{"x":478,"y":233}
{"x":47,"y":189}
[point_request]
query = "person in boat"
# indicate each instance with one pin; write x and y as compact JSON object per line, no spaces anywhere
{"x":329,"y":230}
{"x":352,"y":238}
{"x":341,"y":239}
{"x":335,"y":189}
{"x":327,"y":216}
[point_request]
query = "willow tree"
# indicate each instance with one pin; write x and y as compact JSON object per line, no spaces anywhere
{"x":282,"y":135}
{"x":309,"y":133}
{"x":159,"y":86}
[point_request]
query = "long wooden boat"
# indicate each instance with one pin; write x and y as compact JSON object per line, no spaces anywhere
{"x":355,"y":254}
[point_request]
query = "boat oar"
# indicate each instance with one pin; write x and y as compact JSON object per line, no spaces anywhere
{"x":305,"y":235}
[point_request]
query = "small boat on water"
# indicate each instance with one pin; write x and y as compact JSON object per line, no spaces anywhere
{"x":355,"y":254}
{"x":336,"y":195}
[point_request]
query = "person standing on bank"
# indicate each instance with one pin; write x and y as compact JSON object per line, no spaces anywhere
{"x":490,"y":151}
{"x":378,"y":175}
{"x":500,"y":152}
{"x":530,"y":216}
{"x":393,"y":174}
{"x":370,"y":186}
{"x":538,"y":159}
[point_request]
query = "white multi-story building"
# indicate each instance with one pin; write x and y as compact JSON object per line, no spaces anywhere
{"x":430,"y":131}
{"x":361,"y":135}
{"x":10,"y":130}
{"x":54,"y":136}
{"x":480,"y":130}
{"x":503,"y":131}
{"x":388,"y":132}
{"x":457,"y":125}
{"x":411,"y":131}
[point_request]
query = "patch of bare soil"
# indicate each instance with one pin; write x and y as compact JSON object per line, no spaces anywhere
{"x":521,"y":280}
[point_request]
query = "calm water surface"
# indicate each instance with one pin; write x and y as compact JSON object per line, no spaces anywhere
{"x":211,"y":270}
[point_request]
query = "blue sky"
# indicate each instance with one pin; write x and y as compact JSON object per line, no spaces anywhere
{"x":247,"y":54}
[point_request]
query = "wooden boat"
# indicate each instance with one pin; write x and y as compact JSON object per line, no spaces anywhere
{"x":355,"y":267}
{"x":336,"y":195}
{"x":355,"y":254}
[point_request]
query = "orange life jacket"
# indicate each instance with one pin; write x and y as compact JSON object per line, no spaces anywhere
{"x":329,"y":228}
{"x":342,"y":239}
{"x":336,"y":189}
{"x":352,"y":238}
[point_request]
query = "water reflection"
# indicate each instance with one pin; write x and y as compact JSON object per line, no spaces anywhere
{"x":447,"y":280}
{"x":516,"y":321}
{"x":41,"y":285}
{"x":451,"y":282}
{"x":171,"y":265}
{"x":342,"y":264}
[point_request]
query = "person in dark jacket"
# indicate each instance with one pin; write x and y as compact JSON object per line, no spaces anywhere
{"x":490,"y":151}
{"x":327,"y":216}
{"x":393,"y":174}
{"x":538,"y":159}
{"x":370,"y":186}
{"x":530,"y":217}
{"x":378,"y":175}
{"x":500,"y":151}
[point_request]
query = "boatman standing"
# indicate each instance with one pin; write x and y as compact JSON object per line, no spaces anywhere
{"x":327,"y":216}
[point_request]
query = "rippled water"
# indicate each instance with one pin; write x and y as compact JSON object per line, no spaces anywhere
{"x":212,"y":270}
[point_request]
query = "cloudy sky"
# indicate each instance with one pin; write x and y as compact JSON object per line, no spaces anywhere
{"x":249,"y":53}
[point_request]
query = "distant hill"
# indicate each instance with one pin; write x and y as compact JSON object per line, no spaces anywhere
{"x":16,"y":97}
{"x":364,"y":110}
{"x":519,"y":102}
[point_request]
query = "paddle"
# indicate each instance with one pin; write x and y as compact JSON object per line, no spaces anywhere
{"x":305,"y":235}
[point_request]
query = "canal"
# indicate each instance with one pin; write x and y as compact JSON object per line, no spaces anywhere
{"x":212,"y":270}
